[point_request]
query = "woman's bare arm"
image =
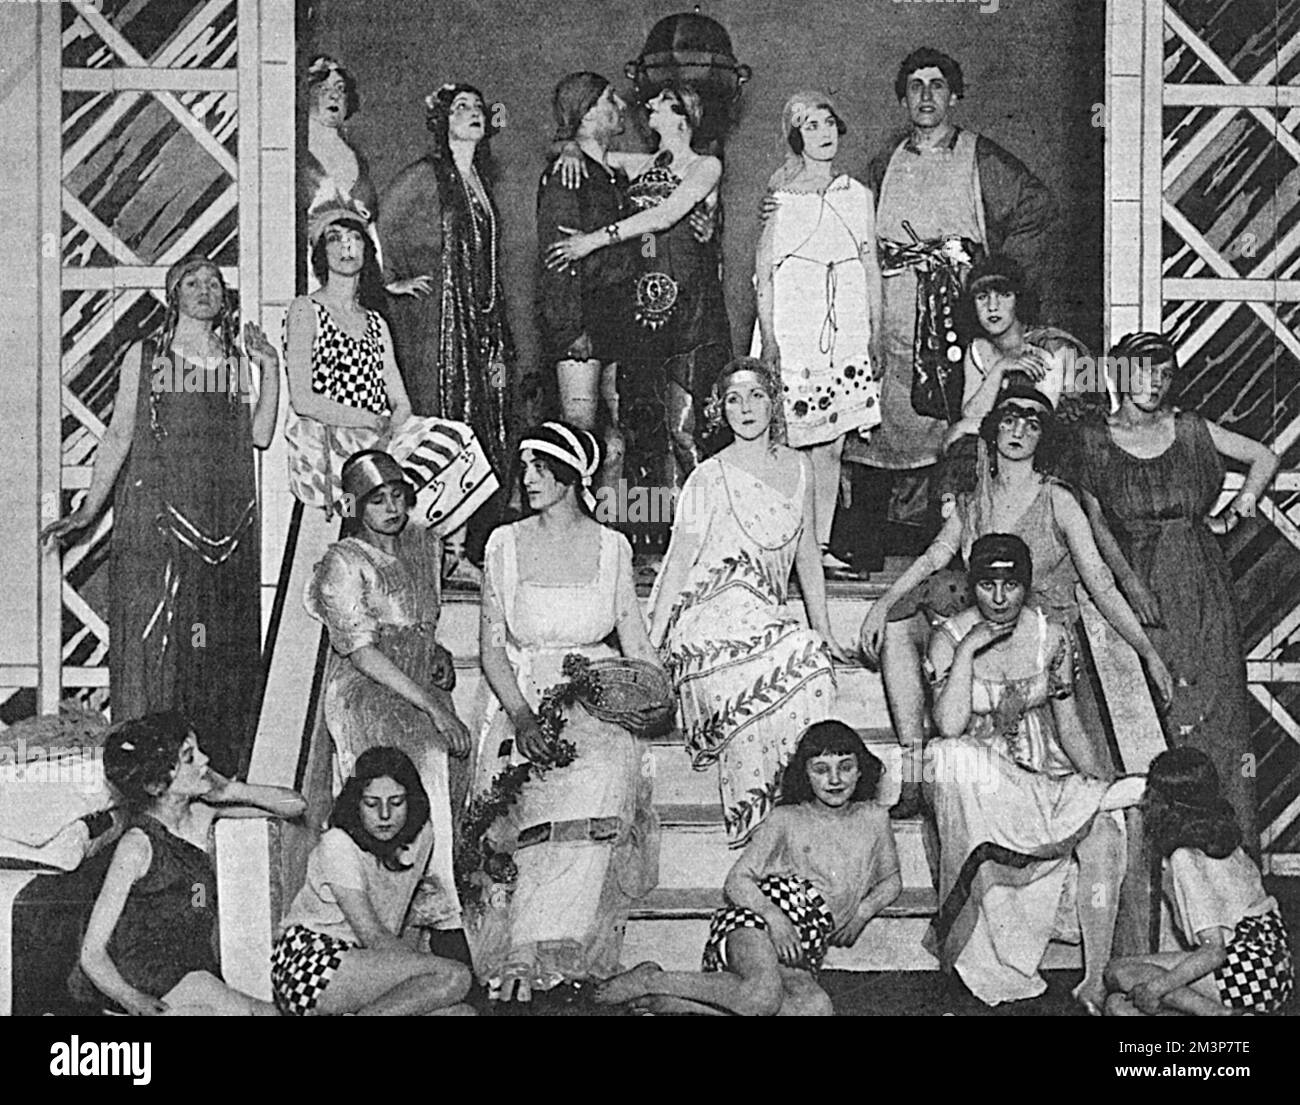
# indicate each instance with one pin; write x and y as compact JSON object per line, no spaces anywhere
{"x":113,"y":448}
{"x":130,"y":863}
{"x":398,"y":401}
{"x":365,"y":923}
{"x":1262,"y":460}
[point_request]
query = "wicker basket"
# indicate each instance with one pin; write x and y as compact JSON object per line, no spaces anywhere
{"x":633,"y":693}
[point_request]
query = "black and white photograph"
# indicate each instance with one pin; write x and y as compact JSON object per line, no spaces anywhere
{"x":606,"y":508}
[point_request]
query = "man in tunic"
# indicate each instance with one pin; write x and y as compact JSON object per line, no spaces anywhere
{"x":943,"y":196}
{"x":579,"y":309}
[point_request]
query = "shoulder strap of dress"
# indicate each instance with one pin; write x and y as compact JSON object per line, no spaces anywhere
{"x":509,"y":564}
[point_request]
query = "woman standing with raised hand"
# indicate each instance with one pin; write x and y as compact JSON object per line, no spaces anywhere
{"x":1154,"y":473}
{"x":749,"y":677}
{"x":819,"y":305}
{"x":183,"y":603}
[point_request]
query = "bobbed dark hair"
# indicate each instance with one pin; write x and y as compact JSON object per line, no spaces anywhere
{"x":1005,"y":275}
{"x":926,"y":57}
{"x":382,"y":762}
{"x":1184,"y":807}
{"x":794,"y":137}
{"x":1051,"y":445}
{"x":140,"y":756}
{"x":829,"y":738}
{"x":370,"y":288}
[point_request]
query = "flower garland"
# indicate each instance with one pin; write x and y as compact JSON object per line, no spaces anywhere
{"x":478,"y":865}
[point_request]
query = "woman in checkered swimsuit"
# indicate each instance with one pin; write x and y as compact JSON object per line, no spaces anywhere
{"x":817,"y":869}
{"x":344,"y":386}
{"x":348,"y":396}
{"x":1240,"y":959}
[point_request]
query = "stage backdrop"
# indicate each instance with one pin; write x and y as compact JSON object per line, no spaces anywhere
{"x":1034,"y":71}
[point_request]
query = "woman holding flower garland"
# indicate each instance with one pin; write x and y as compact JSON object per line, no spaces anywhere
{"x":583,"y":837}
{"x":749,"y":677}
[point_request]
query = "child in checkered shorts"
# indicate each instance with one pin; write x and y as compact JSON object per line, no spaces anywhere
{"x":1239,"y":960}
{"x":818,"y":868}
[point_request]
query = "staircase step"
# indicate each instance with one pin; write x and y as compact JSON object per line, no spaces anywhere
{"x":699,"y":903}
{"x":693,"y":851}
{"x":677,"y":783}
{"x":847,"y":604}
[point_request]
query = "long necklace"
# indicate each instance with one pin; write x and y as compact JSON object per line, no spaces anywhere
{"x":478,"y":237}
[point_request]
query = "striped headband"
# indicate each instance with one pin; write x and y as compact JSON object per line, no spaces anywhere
{"x":568,"y":450}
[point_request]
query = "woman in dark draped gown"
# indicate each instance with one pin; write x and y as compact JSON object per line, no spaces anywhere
{"x":679,"y":334}
{"x":1154,"y":473}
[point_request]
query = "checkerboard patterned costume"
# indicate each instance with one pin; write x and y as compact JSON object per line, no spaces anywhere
{"x":346,"y":369}
{"x":445,"y":461}
{"x":1259,"y":974}
{"x":302,"y":964}
{"x":798,"y":899}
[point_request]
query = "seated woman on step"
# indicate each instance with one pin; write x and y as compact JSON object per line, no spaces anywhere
{"x":149,"y":947}
{"x":814,"y":873}
{"x":1014,"y":494}
{"x":341,"y":948}
{"x":585,"y":837}
{"x":1015,"y":788}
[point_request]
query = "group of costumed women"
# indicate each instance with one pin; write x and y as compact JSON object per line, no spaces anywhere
{"x":539,"y":830}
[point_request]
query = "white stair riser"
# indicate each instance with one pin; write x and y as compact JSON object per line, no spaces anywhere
{"x":887,"y":944}
{"x":693,"y":857}
{"x":458,"y":622}
{"x":860,"y":699}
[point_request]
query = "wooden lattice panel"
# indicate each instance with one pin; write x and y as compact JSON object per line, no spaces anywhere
{"x":149,"y":174}
{"x":1222,"y":255}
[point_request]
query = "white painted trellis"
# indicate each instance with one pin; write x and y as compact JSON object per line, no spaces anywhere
{"x":222,"y":74}
{"x":1148,"y":161}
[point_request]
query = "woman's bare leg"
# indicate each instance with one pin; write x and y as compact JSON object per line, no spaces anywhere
{"x":825,"y":459}
{"x":902,"y":673}
{"x":751,"y":985}
{"x":1200,"y":999}
{"x":375,"y":983}
{"x":200,"y":994}
{"x":1101,"y":857}
{"x":803,"y":997}
{"x":579,"y":384}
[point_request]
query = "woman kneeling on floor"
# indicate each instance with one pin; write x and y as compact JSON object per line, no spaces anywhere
{"x":814,"y":873}
{"x":149,"y":946}
{"x":341,"y":949}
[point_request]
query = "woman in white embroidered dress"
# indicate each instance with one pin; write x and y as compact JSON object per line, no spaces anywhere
{"x":749,"y":677}
{"x":819,"y":305}
{"x":557,"y":583}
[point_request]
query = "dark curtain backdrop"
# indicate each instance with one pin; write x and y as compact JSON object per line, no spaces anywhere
{"x":1034,"y":69}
